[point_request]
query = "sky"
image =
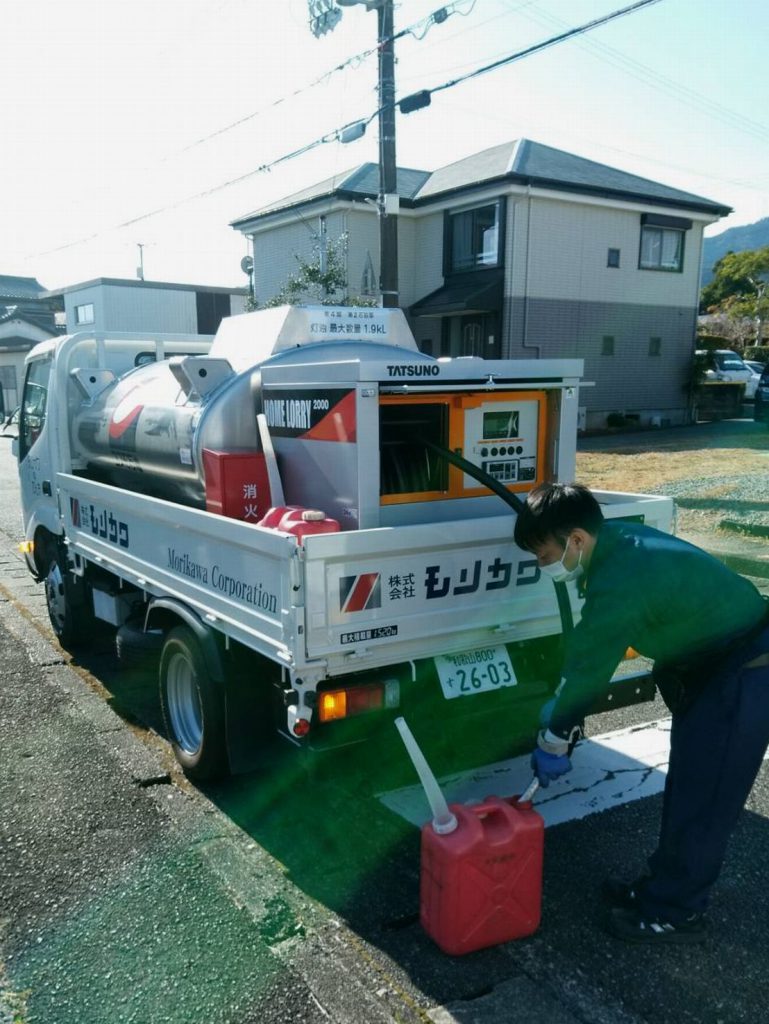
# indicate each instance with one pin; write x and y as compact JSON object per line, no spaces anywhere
{"x":132,"y":123}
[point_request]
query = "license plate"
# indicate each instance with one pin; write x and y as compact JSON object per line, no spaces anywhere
{"x":487,"y":668}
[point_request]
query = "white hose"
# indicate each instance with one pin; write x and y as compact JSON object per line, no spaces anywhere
{"x":443,"y":820}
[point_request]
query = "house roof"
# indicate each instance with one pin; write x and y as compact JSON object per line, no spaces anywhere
{"x":522,"y":162}
{"x":36,"y":316}
{"x":360,"y":182}
{"x":481,"y":293}
{"x":20,"y":287}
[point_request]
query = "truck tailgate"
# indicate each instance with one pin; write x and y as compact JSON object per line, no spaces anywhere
{"x":381,"y":596}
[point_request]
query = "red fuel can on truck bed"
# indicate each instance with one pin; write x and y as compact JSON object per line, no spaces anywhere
{"x":298,"y":521}
{"x":482,"y":883}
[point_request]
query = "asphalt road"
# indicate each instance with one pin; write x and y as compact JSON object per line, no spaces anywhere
{"x":129,"y":895}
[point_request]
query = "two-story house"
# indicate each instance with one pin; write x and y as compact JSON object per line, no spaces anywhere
{"x":522,"y":250}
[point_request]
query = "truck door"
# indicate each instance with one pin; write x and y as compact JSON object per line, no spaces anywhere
{"x":38,"y":501}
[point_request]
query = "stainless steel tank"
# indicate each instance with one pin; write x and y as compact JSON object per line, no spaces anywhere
{"x":145,"y":433}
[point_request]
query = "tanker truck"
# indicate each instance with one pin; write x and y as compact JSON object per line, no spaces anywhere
{"x":300,"y":521}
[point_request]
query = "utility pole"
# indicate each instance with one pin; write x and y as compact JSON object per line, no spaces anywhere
{"x":388,"y":186}
{"x":324,"y":15}
{"x":140,"y":268}
{"x":323,"y":243}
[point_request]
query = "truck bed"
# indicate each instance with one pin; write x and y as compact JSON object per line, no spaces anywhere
{"x":342,"y":602}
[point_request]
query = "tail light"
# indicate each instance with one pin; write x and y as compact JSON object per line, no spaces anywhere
{"x":357,"y":700}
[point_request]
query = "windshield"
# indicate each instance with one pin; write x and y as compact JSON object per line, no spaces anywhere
{"x":729,"y":362}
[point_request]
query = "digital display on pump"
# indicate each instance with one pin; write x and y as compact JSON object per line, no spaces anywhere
{"x":500,"y":424}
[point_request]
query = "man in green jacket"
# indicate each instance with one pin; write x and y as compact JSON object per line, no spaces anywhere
{"x":707,"y":631}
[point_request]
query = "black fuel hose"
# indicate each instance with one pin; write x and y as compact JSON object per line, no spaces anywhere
{"x":561,"y":593}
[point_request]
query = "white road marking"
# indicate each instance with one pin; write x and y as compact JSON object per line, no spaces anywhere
{"x":609,"y":770}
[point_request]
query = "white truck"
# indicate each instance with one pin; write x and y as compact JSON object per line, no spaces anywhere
{"x":276,"y":512}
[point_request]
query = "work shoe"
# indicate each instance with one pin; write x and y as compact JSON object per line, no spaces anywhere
{"x":617,"y":893}
{"x":633,"y":926}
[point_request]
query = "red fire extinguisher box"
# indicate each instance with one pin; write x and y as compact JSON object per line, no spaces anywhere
{"x":481,"y":884}
{"x":237,"y":485}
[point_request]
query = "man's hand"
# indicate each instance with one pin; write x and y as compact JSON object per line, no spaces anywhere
{"x":550,"y":759}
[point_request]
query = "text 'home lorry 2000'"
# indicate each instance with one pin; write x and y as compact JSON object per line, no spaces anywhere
{"x":297,"y":516}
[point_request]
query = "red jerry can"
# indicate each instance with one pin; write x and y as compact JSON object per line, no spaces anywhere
{"x":303,"y":522}
{"x":481,"y":884}
{"x":273,"y":515}
{"x":298,"y":521}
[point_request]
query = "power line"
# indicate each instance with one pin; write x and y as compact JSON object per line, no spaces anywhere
{"x":355,"y":129}
{"x":436,"y":18}
{"x":537,"y":47}
{"x":508,"y":59}
{"x":659,"y":81}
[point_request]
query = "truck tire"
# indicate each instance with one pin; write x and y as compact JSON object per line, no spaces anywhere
{"x":193,"y":707}
{"x":66,"y":598}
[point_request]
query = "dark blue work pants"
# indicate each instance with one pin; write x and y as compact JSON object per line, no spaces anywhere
{"x":716,"y":749}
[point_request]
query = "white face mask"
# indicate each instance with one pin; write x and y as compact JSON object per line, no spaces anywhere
{"x":558,"y":572}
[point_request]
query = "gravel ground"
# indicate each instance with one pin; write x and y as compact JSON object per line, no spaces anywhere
{"x":689,"y":463}
{"x":741,"y":501}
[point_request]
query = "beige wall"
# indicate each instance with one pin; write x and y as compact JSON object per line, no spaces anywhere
{"x":276,"y":249}
{"x":568,"y":255}
{"x":428,"y":243}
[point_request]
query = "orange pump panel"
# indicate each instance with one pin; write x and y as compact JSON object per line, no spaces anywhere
{"x":540,"y":397}
{"x":457,"y":403}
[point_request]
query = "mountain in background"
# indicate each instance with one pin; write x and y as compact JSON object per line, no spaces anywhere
{"x":739,"y":239}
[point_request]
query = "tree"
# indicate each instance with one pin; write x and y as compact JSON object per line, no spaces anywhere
{"x":321,"y":279}
{"x":740,"y":287}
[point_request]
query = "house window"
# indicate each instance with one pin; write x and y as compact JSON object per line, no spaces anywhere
{"x":607,"y":345}
{"x":662,"y":249}
{"x":655,"y":346}
{"x":473,"y":238}
{"x":612,"y":258}
{"x":662,"y":242}
{"x":84,"y":313}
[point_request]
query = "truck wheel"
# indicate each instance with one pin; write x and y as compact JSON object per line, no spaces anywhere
{"x":66,"y":599}
{"x":193,"y":707}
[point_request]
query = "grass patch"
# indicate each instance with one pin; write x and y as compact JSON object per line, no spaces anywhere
{"x":649,"y":472}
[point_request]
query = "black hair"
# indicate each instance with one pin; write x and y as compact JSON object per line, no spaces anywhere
{"x":553,"y":511}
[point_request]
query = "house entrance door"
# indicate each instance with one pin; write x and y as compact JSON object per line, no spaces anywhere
{"x":476,"y":334}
